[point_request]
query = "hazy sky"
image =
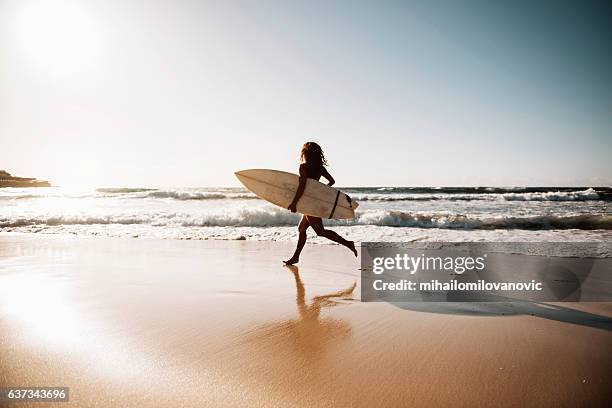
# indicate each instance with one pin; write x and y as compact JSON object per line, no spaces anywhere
{"x":183,"y":93}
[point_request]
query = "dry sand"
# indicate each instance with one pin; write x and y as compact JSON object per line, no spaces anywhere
{"x":138,"y":323}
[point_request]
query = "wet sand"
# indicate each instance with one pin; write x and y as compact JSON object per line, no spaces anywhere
{"x":138,"y":323}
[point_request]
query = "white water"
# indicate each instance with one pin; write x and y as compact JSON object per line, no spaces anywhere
{"x":385,"y":214}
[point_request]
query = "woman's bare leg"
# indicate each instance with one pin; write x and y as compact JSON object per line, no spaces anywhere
{"x":317,"y":224}
{"x":302,"y":227}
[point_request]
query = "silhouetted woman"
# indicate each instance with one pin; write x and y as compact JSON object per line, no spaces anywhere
{"x":313,"y":166}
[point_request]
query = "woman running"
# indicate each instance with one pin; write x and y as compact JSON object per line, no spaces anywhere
{"x":313,"y":166}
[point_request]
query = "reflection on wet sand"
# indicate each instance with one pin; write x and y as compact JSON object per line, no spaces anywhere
{"x":309,"y":333}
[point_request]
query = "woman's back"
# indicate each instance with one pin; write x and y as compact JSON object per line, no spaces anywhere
{"x":313,"y":161}
{"x":313,"y":170}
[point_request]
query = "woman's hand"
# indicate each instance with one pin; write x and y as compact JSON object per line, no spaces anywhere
{"x":292,"y":207}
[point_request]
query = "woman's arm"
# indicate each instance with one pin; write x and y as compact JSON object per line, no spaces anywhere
{"x":328,"y":177}
{"x":300,"y":189}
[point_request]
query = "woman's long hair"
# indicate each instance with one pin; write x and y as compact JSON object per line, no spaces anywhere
{"x":313,"y":154}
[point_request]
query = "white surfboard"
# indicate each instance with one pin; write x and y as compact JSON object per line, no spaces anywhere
{"x":278,"y":187}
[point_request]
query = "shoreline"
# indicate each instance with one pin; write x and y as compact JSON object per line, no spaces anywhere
{"x":149,"y":322}
{"x":288,"y":234}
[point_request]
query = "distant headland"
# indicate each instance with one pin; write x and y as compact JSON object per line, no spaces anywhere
{"x":6,"y":180}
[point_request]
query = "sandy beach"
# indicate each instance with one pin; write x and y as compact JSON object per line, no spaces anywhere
{"x":138,"y":322}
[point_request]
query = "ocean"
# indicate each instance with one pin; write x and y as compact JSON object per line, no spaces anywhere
{"x":384,"y":214}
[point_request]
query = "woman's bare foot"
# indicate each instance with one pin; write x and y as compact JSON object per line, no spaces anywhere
{"x":351,"y":246}
{"x":293,"y":261}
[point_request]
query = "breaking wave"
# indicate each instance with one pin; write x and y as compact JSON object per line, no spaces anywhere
{"x":178,"y":194}
{"x":183,"y":195}
{"x":584,"y":195}
{"x":381,"y":194}
{"x":123,"y":190}
{"x":273,"y":217}
{"x":458,"y":221}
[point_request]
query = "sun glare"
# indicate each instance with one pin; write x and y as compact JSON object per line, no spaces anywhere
{"x":59,"y":38}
